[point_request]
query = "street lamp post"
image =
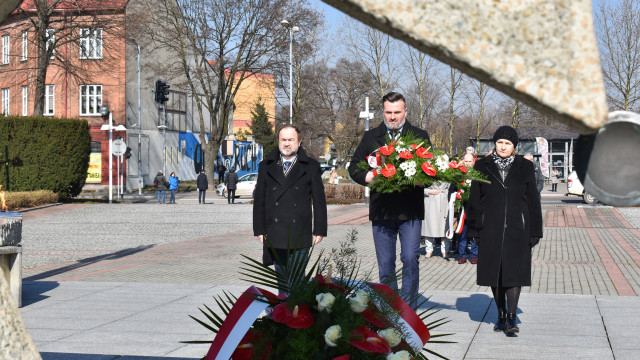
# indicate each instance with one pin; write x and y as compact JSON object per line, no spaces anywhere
{"x":291,"y":30}
{"x":104,"y":110}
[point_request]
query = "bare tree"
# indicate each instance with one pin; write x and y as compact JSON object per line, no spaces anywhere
{"x":422,"y":73}
{"x":515,"y":114}
{"x":59,"y":23}
{"x":453,"y":85}
{"x":218,"y":43}
{"x":376,"y":50}
{"x":477,"y":98}
{"x":618,"y":32}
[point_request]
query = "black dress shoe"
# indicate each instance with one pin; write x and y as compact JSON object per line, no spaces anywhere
{"x":512,"y":324}
{"x":501,"y":323}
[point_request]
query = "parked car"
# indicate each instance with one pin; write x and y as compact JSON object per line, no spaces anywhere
{"x":246,"y":186}
{"x":574,"y":187}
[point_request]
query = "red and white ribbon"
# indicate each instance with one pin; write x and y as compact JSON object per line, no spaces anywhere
{"x":416,"y":333}
{"x":452,"y":206}
{"x":242,"y":315}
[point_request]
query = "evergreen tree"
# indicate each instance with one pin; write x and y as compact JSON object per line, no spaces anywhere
{"x":262,"y":129}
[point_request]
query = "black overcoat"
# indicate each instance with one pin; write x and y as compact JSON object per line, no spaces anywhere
{"x":503,"y":216}
{"x":282,"y":207}
{"x":398,"y":206}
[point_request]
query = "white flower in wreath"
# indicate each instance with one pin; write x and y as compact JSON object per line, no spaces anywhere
{"x":400,"y":355}
{"x":391,"y":335}
{"x":468,"y":181}
{"x":325,"y":301}
{"x":409,"y":168}
{"x":360,"y":302}
{"x":442,"y":162}
{"x":332,"y":335}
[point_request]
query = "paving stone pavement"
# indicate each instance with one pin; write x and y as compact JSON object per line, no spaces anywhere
{"x":119,"y":281}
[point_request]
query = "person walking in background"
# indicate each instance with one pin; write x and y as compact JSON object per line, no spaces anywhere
{"x":173,"y":186}
{"x":505,"y":220}
{"x":464,"y":244}
{"x":333,"y":177}
{"x":396,"y":215}
{"x":221,"y":170}
{"x":231,"y":182}
{"x":203,"y":184}
{"x":539,"y":177}
{"x":289,"y":208}
{"x":554,"y":179}
{"x":435,"y":219}
{"x":161,"y":184}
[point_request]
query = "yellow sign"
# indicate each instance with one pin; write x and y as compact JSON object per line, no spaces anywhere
{"x":94,"y":173}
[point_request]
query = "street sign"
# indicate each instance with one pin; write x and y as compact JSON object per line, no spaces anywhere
{"x":327,"y":156}
{"x":118,"y":147}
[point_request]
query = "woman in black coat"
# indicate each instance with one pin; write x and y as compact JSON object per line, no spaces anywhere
{"x":506,"y":220}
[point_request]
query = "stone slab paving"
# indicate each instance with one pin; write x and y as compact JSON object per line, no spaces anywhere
{"x":111,"y":281}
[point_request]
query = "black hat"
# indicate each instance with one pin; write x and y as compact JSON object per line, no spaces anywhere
{"x":508,"y":133}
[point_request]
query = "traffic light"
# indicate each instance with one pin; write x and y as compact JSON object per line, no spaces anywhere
{"x":162,"y":92}
{"x":127,"y":153}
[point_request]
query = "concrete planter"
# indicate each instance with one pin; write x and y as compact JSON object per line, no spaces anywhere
{"x":10,"y":228}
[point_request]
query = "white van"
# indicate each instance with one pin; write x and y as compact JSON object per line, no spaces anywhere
{"x":574,"y":187}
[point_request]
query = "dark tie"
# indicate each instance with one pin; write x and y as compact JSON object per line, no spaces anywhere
{"x":286,"y":165}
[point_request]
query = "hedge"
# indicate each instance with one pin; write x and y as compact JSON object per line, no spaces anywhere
{"x":42,"y":153}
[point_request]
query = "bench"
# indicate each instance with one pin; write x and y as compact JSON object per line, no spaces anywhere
{"x":11,"y":269}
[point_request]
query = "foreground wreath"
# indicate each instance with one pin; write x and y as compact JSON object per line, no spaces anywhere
{"x":406,"y":163}
{"x":321,"y":318}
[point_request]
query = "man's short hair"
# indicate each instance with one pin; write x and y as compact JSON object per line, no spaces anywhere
{"x":470,"y":148}
{"x":289,"y":126}
{"x":393,"y":97}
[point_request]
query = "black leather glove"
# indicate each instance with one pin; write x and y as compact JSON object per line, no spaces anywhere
{"x":533,"y":241}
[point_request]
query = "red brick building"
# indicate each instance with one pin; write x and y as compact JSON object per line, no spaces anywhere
{"x":86,"y":70}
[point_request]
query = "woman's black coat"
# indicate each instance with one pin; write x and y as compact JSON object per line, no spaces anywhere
{"x":282,"y":205}
{"x":504,"y":216}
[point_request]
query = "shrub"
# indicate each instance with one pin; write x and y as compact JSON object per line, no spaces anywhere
{"x":350,"y":191}
{"x":28,"y":199}
{"x":44,"y":154}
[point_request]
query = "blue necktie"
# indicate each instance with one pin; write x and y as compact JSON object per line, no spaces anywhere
{"x":286,"y":165}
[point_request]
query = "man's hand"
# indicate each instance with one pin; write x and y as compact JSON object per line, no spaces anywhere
{"x":434,"y":191}
{"x":369,"y":177}
{"x":261,"y":238}
{"x":316,"y":239}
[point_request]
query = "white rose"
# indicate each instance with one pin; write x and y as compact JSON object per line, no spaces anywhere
{"x":332,"y":334}
{"x":325,"y":301}
{"x":400,"y":355}
{"x":391,"y":335}
{"x":359,"y":302}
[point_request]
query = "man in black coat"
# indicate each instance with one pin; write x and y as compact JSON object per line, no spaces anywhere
{"x":288,"y":187}
{"x":399,"y":213}
{"x":203,"y":184}
{"x":231,"y":182}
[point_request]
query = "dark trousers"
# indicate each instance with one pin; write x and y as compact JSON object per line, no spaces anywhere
{"x":385,"y":237}
{"x":231,"y":196}
{"x":554,"y":187}
{"x":201,"y":195}
{"x":282,"y":262}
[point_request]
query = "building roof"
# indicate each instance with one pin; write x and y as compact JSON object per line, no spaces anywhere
{"x":84,"y":5}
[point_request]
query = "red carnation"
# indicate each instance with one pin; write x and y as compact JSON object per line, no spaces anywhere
{"x":298,"y":318}
{"x":366,"y":340}
{"x":387,"y":150}
{"x":405,"y":154}
{"x":424,"y":153}
{"x":244,"y":351}
{"x":388,"y":170}
{"x":428,"y":169}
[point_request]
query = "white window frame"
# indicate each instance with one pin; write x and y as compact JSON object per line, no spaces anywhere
{"x":5,"y":49}
{"x":25,"y":100}
{"x":90,"y":43}
{"x":25,"y":45}
{"x":5,"y":101}
{"x":51,"y":39}
{"x":92,"y":94}
{"x":49,"y":100}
